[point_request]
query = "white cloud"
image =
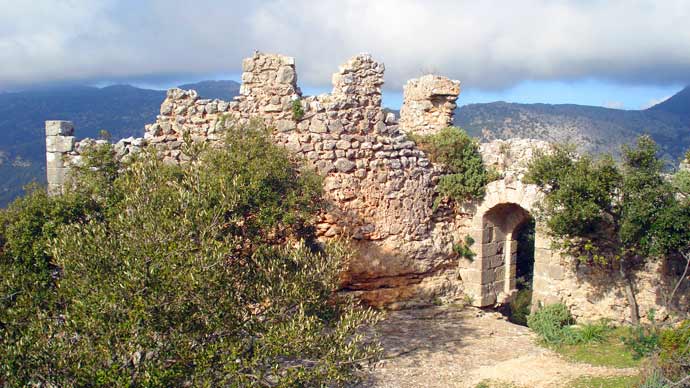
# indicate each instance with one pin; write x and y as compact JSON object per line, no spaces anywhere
{"x":613,"y":104}
{"x":654,"y":101}
{"x":489,"y":44}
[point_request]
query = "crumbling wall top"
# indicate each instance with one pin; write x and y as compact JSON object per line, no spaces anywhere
{"x":360,"y":77}
{"x":428,"y":104}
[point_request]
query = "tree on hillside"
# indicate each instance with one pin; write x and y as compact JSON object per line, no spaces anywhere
{"x":205,"y":274}
{"x":614,"y":216}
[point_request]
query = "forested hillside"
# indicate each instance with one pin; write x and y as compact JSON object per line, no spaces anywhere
{"x":122,"y":110}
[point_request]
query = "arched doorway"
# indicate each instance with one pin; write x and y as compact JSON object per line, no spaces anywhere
{"x":504,"y":225}
{"x":498,"y":228}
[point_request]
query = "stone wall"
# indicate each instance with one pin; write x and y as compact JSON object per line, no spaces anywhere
{"x":379,"y":186}
{"x":429,"y":103}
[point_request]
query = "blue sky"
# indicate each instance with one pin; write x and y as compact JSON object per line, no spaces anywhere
{"x":618,"y":53}
{"x":582,"y":92}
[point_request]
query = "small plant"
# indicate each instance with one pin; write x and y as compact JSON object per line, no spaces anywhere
{"x":643,"y":341}
{"x":605,"y":382}
{"x":504,"y":149}
{"x":104,"y":135}
{"x":549,"y":322}
{"x":224,"y":121}
{"x":463,"y":248}
{"x":592,"y":332}
{"x":655,"y":380}
{"x":297,"y":110}
{"x":674,"y":356}
{"x":520,"y":307}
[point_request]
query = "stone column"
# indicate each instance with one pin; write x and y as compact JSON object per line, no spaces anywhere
{"x":59,"y":142}
{"x":428,"y":104}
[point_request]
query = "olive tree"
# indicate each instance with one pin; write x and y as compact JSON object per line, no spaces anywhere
{"x":616,"y":216}
{"x":202,"y":274}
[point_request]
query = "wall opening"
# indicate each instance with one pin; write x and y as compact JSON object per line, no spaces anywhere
{"x":507,"y":260}
{"x":520,"y":303}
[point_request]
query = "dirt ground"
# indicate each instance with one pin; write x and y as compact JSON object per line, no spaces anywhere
{"x":459,"y":347}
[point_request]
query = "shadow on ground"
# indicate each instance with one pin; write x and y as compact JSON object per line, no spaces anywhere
{"x":455,"y":346}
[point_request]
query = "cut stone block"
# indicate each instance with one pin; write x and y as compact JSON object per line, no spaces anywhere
{"x":54,"y":160}
{"x":60,"y":143}
{"x":59,"y":128}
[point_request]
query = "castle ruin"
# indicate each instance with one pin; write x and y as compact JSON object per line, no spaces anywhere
{"x":381,"y":188}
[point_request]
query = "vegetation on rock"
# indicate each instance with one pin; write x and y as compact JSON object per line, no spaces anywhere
{"x":203,"y":274}
{"x":297,"y":110}
{"x":466,"y":175}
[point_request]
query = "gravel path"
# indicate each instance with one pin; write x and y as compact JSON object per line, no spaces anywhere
{"x":459,"y":347}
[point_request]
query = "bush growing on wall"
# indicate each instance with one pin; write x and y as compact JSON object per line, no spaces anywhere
{"x":203,"y":275}
{"x":466,"y":175}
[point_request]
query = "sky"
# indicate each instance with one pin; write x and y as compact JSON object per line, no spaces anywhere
{"x":626,"y":54}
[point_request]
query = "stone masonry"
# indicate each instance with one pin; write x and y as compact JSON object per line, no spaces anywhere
{"x":429,"y":103}
{"x":59,"y":141}
{"x":380,"y":187}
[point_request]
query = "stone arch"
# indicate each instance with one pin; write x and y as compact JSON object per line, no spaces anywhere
{"x":490,"y":277}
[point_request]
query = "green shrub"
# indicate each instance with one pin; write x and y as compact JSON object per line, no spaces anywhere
{"x":550,"y":321}
{"x":554,"y":325}
{"x":466,"y":175}
{"x":643,"y":341}
{"x":205,"y":274}
{"x":464,"y":248}
{"x":674,"y":355}
{"x":29,"y":304}
{"x":297,"y":110}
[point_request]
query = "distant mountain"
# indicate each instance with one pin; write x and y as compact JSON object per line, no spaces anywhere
{"x":593,"y":129}
{"x":122,"y":110}
{"x":222,"y":90}
{"x":679,"y":104}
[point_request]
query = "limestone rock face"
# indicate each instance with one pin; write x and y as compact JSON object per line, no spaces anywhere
{"x":511,"y":157}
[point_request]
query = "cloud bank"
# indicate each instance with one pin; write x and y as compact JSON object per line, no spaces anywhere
{"x":488,"y":44}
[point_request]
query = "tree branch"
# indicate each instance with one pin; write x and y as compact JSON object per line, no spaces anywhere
{"x":686,"y":256}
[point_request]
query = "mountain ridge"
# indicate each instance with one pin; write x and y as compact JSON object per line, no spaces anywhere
{"x":124,"y":109}
{"x":121,"y":109}
{"x":592,"y":128}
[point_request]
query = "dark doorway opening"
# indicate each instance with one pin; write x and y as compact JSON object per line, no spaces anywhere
{"x":521,"y":304}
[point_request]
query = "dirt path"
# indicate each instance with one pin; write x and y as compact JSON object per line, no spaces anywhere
{"x":451,"y":347}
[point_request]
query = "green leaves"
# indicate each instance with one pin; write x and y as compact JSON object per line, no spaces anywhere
{"x":603,"y":211}
{"x":580,"y":192}
{"x":205,"y":274}
{"x":459,"y":153}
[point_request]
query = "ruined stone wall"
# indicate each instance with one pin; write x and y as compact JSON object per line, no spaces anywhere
{"x":379,"y":186}
{"x":429,"y":103}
